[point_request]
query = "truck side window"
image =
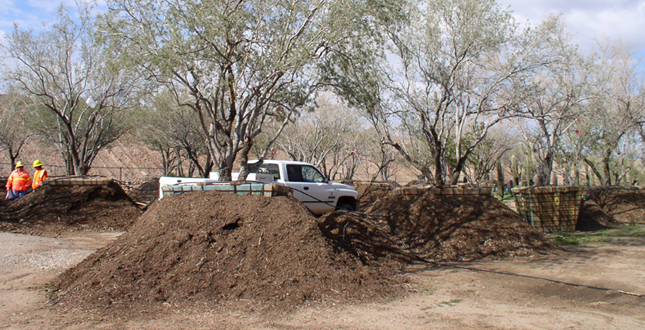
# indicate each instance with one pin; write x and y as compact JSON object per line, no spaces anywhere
{"x":273,"y":169}
{"x":293,"y":172}
{"x":311,"y":174}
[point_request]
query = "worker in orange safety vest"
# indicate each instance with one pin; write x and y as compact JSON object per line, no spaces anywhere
{"x":19,"y":181}
{"x":39,"y":176}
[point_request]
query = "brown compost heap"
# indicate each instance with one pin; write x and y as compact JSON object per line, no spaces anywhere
{"x":624,"y":204}
{"x":52,"y":210}
{"x":369,"y":193}
{"x":437,"y":228}
{"x":592,"y":218}
{"x":211,"y":247}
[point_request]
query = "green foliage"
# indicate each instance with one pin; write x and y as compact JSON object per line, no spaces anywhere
{"x":242,"y":66}
{"x":600,"y":237}
{"x":566,"y":239}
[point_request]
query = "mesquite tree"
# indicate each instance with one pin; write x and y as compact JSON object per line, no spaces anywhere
{"x":447,"y":80}
{"x":328,"y":137}
{"x":241,"y":62}
{"x":80,"y":97}
{"x":615,"y":117}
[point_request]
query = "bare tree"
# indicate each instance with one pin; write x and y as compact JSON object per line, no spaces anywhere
{"x":80,"y":97}
{"x":326,"y":137}
{"x":449,"y":79}
{"x":490,"y":151}
{"x":13,"y":117}
{"x":174,"y":131}
{"x":552,"y":98}
{"x":380,"y":156}
{"x":607,"y":132}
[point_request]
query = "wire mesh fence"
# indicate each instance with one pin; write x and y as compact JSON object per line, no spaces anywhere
{"x":549,"y":208}
{"x":136,"y":175}
{"x":124,"y":174}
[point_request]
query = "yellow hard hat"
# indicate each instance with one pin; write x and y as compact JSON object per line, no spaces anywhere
{"x":37,"y":163}
{"x":19,"y":164}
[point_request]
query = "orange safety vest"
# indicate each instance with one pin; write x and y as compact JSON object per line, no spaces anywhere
{"x":39,"y":177}
{"x":19,"y":181}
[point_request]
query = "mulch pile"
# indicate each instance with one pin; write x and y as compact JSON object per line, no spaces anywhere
{"x":145,"y":192}
{"x":593,"y":218}
{"x":53,"y":210}
{"x":369,"y":193}
{"x":437,"y":228}
{"x":625,"y":205}
{"x":211,"y":247}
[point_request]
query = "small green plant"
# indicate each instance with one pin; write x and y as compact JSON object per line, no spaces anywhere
{"x":450,"y":303}
{"x":50,"y":292}
{"x":561,"y":239}
{"x":427,"y":290}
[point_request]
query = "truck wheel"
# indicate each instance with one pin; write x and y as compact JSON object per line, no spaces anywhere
{"x":345,"y":207}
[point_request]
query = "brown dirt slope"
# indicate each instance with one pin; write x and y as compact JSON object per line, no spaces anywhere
{"x":146,"y":192}
{"x":368,"y":193}
{"x":437,"y":228}
{"x":593,"y":218}
{"x":211,"y":247}
{"x":625,"y":205}
{"x":53,"y":210}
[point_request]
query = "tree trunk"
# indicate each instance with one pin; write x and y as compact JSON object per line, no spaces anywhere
{"x":244,"y":160}
{"x":544,"y":169}
{"x":595,"y":171}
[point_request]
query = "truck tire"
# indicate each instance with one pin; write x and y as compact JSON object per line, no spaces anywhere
{"x":344,"y":207}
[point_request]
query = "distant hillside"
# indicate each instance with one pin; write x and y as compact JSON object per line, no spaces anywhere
{"x":132,"y":162}
{"x":125,"y":161}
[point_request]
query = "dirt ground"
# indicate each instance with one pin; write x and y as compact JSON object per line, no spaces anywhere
{"x":221,"y":261}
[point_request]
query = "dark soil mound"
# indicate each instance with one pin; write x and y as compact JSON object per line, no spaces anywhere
{"x":208,"y":247}
{"x":626,"y":205}
{"x":438,"y":228}
{"x":593,"y":218}
{"x":144,"y":192}
{"x":52,"y":210}
{"x":368,"y":193}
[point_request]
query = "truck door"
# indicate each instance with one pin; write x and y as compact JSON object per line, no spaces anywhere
{"x":311,"y":188}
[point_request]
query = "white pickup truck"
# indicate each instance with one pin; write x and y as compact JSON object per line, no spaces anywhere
{"x":308,"y":184}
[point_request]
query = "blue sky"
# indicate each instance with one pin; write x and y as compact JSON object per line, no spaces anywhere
{"x":26,"y":13}
{"x":588,"y":20}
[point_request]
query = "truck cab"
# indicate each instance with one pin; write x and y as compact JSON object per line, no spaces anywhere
{"x":309,"y":185}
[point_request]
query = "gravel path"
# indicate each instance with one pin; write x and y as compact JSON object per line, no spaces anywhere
{"x":17,"y":251}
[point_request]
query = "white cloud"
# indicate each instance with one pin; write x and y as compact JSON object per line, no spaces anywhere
{"x":625,"y":25}
{"x":589,"y":20}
